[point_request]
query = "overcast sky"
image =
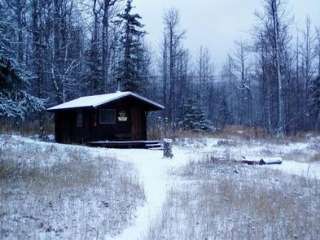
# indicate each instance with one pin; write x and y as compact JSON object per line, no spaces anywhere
{"x":216,"y":24}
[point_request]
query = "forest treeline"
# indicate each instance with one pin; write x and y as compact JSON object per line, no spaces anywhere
{"x":63,"y":49}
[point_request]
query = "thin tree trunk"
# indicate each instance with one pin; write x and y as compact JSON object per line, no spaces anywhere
{"x":278,"y":68}
{"x":105,"y":46}
{"x":165,"y":73}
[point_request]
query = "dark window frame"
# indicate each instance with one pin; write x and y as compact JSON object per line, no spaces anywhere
{"x":104,"y":121}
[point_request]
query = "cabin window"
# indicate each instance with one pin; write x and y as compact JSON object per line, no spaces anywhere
{"x":122,"y":116}
{"x":107,"y":116}
{"x":79,"y":122}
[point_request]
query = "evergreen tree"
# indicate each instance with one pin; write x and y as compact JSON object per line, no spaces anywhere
{"x":194,"y":118}
{"x":8,"y":56}
{"x":131,"y":71}
{"x":224,"y":115}
{"x":93,"y":73}
{"x":15,"y":102}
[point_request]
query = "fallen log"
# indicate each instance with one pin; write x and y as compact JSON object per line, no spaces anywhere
{"x":270,"y":161}
{"x":263,"y":161}
{"x":250,"y":162}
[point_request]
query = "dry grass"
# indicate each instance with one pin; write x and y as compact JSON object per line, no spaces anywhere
{"x":232,"y":201}
{"x":71,"y":174}
{"x":51,"y":191}
{"x":156,"y":133}
{"x":302,"y":156}
{"x":27,"y":127}
{"x":242,"y":132}
{"x":230,"y":132}
{"x":315,"y":158}
{"x":159,"y":132}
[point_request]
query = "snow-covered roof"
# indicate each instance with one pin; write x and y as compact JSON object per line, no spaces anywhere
{"x":98,"y":100}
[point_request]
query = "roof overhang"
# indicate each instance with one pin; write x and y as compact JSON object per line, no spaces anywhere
{"x":96,"y":101}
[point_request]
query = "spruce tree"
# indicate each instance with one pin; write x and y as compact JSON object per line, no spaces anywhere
{"x":194,"y":118}
{"x":130,"y":67}
{"x":15,"y":102}
{"x":224,"y":116}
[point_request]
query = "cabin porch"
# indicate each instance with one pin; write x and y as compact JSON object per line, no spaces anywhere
{"x":148,"y":144}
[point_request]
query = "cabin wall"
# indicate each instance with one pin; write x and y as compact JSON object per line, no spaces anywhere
{"x":117,"y":131}
{"x":134,"y":129}
{"x":63,"y":127}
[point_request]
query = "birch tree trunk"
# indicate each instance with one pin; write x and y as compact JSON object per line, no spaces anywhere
{"x":108,"y":4}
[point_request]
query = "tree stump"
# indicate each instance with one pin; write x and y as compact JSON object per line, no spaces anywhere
{"x":167,"y":148}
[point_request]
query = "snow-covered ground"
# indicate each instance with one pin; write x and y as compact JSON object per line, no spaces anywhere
{"x":157,"y":178}
{"x":156,"y":175}
{"x":228,"y":200}
{"x":218,"y":200}
{"x":299,"y":158}
{"x":52,"y":191}
{"x":308,"y":170}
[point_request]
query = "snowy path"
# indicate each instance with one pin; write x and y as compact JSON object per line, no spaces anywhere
{"x":155,"y":179}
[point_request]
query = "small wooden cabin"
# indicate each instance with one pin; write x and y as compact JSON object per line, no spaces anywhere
{"x":120,"y":116}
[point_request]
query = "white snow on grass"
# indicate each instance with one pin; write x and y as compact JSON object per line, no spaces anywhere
{"x":220,"y":200}
{"x":154,"y":171}
{"x":308,"y":170}
{"x":157,"y":181}
{"x":299,"y":158}
{"x":54,"y":191}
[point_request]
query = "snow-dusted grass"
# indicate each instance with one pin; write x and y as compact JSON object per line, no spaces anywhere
{"x":215,"y":197}
{"x":223,"y":200}
{"x":289,"y":150}
{"x":253,"y":194}
{"x":52,"y":191}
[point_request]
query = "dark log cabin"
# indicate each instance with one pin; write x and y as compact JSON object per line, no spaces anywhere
{"x":120,"y":116}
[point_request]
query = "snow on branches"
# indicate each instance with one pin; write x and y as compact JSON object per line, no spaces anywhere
{"x":15,"y":102}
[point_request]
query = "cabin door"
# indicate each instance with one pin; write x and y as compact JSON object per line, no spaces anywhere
{"x":136,"y":120}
